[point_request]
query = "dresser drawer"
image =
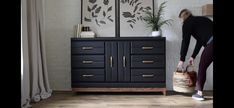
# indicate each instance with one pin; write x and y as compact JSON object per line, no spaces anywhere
{"x":92,"y":47}
{"x":147,"y":75}
{"x":85,"y":61}
{"x":147,"y":47}
{"x":88,"y":75}
{"x":147,"y":61}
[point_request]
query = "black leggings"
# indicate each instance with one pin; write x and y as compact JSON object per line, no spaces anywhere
{"x":205,"y":61}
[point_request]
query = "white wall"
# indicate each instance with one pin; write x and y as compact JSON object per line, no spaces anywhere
{"x":62,"y":15}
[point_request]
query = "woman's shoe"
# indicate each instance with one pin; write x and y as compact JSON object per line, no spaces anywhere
{"x":198,"y":97}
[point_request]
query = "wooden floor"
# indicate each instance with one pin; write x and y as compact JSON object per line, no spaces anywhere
{"x":123,"y":100}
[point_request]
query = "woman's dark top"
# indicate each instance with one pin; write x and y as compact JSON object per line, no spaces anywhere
{"x":201,"y":28}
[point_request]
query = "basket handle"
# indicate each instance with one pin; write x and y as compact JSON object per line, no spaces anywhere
{"x":190,"y":65}
{"x":177,"y":70}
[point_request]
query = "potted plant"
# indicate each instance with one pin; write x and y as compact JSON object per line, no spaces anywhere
{"x":156,"y":21}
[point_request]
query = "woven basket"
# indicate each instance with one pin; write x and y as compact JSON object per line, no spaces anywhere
{"x":184,"y":81}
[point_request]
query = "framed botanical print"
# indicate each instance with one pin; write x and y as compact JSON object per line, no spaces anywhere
{"x":131,"y":17}
{"x":116,"y":18}
{"x":99,"y":15}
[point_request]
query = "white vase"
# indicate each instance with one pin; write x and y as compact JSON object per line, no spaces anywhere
{"x":155,"y":33}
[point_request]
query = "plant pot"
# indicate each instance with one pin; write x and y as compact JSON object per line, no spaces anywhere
{"x":155,"y":33}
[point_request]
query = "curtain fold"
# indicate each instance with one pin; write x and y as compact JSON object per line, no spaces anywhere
{"x":35,"y":84}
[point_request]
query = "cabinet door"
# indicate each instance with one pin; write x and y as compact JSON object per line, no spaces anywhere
{"x":123,"y":61}
{"x":111,"y":61}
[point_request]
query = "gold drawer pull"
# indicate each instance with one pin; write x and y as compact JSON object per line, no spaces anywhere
{"x":147,"y":62}
{"x":87,"y":48}
{"x":87,"y":62}
{"x":87,"y":75}
{"x":147,"y":48}
{"x":124,"y":61}
{"x":111,"y":61}
{"x":148,"y":76}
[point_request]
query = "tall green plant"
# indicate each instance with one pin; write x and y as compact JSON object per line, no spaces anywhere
{"x":156,"y":21}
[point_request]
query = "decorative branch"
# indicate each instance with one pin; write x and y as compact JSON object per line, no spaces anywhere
{"x":136,"y":13}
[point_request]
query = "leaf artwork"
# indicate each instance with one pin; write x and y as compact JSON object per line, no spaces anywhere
{"x":141,"y":18}
{"x":97,"y":22}
{"x":140,"y":8}
{"x":109,"y":9}
{"x":130,"y":21}
{"x":135,"y":13}
{"x":92,"y":1}
{"x":93,"y":15}
{"x":89,"y":9}
{"x":128,"y":15}
{"x":106,"y":2}
{"x":98,"y":9}
{"x":136,"y":1}
{"x":94,"y":6}
{"x":131,"y":2}
{"x":148,"y":8}
{"x":86,"y":19}
{"x":104,"y":13}
{"x":138,"y":4}
{"x":133,"y":20}
{"x":131,"y":26}
{"x":135,"y":9}
{"x":110,"y":19}
{"x":102,"y":22}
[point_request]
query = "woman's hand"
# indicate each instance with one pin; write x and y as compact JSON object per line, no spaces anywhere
{"x":180,"y":65}
{"x":191,"y":61}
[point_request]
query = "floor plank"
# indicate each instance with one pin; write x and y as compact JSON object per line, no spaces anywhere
{"x":123,"y":100}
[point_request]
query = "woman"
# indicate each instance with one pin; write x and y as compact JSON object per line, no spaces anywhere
{"x":201,"y":28}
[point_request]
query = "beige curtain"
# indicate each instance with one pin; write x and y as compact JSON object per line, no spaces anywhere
{"x":34,"y":81}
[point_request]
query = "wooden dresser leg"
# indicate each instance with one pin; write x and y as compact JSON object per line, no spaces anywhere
{"x":165,"y":92}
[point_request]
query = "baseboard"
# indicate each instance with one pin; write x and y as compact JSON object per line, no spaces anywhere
{"x":62,"y":90}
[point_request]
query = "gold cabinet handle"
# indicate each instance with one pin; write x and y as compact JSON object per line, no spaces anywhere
{"x":87,"y":48}
{"x":124,"y":61}
{"x":111,"y":61}
{"x":148,"y":76}
{"x":147,"y":62}
{"x":147,"y":48}
{"x":87,"y":75}
{"x":87,"y":62}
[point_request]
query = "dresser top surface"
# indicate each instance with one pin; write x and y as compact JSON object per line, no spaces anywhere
{"x":120,"y":38}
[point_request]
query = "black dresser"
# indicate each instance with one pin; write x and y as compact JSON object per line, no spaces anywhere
{"x":125,"y":64}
